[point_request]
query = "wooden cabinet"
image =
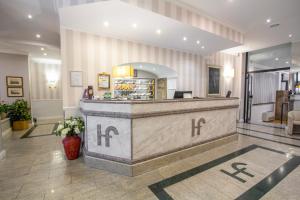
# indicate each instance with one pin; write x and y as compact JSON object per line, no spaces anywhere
{"x":281,"y":99}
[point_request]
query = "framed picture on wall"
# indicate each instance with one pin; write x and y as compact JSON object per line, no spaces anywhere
{"x":15,"y":92}
{"x":214,"y":79}
{"x":14,"y":81}
{"x":103,"y":81}
{"x":76,"y":79}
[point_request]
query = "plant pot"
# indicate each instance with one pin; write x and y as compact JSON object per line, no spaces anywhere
{"x":20,"y":125}
{"x":3,"y":115}
{"x":72,"y":146}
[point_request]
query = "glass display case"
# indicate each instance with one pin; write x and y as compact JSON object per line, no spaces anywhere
{"x":134,"y":88}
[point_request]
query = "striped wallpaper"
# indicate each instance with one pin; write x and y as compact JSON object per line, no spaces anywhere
{"x":177,"y":11}
{"x":93,"y":54}
{"x":39,"y":83}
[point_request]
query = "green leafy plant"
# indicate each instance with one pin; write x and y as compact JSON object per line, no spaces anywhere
{"x":19,"y":111}
{"x":70,"y":127}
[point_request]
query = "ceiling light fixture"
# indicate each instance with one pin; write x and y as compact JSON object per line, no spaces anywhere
{"x":287,"y":62}
{"x":268,"y":20}
{"x":290,"y":35}
{"x":106,"y":23}
{"x":38,"y":36}
{"x":29,"y":16}
{"x":198,"y":41}
{"x":276,"y":59}
{"x":45,"y":54}
{"x":184,"y":38}
{"x":158,"y":31}
{"x":134,"y":25}
{"x":42,"y":48}
{"x":202,"y":47}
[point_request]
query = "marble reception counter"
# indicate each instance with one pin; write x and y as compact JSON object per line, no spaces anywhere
{"x":133,"y":137}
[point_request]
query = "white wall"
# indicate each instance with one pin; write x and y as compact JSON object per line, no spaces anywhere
{"x":94,"y":54}
{"x":13,"y":65}
{"x":46,"y":102}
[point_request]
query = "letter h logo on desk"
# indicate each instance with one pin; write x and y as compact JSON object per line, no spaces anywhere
{"x":194,"y":127}
{"x":106,"y":136}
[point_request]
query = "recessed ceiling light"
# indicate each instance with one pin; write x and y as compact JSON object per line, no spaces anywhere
{"x":202,"y":47}
{"x":268,"y":20}
{"x":134,"y":25}
{"x":158,"y":31}
{"x":106,"y":23}
{"x":29,"y":16}
{"x":230,"y":1}
{"x":287,"y":62}
{"x":276,"y":59}
{"x":184,"y":38}
{"x":38,"y":36}
{"x":42,"y":49}
{"x":290,"y":35}
{"x":45,"y":54}
{"x":198,"y":41}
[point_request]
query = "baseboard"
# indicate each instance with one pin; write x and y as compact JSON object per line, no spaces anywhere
{"x":152,"y":164}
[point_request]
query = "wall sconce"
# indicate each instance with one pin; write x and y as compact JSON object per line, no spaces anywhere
{"x":228,"y":72}
{"x":52,"y":79}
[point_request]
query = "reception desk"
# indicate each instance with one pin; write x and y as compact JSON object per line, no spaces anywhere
{"x":133,"y":137}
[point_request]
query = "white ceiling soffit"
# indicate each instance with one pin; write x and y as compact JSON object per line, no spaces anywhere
{"x":18,"y":32}
{"x":29,"y":48}
{"x":90,"y":18}
{"x":249,"y":16}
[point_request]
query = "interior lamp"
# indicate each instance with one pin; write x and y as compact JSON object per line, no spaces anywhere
{"x":228,"y":72}
{"x":52,"y":79}
{"x":125,"y":71}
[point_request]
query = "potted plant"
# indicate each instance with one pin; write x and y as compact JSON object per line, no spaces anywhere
{"x":3,"y":110}
{"x":19,"y":114}
{"x":69,"y":129}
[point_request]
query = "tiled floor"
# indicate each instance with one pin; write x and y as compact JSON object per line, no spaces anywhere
{"x":35,"y":168}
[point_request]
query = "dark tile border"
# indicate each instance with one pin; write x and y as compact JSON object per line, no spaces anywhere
{"x":27,"y":135}
{"x":270,"y":126}
{"x":28,"y":132}
{"x":260,"y":188}
{"x":277,"y":135}
{"x":266,"y":139}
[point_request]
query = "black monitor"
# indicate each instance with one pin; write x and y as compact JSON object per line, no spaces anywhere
{"x":180,"y":94}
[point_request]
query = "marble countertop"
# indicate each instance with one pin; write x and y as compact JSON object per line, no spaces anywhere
{"x":156,"y":101}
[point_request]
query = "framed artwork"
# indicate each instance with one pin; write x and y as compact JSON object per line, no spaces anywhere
{"x":76,"y":79}
{"x":15,"y":92}
{"x":214,"y":79}
{"x":14,"y":81}
{"x":103,"y":81}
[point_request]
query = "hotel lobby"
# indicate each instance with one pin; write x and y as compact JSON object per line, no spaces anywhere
{"x":149,"y":99}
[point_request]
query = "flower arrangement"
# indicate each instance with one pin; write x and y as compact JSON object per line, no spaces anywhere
{"x":70,"y":127}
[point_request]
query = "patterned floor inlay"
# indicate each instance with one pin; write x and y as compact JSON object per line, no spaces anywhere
{"x":248,"y":173}
{"x":42,"y":130}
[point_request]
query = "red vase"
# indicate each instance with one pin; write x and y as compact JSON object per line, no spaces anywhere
{"x":72,"y":146}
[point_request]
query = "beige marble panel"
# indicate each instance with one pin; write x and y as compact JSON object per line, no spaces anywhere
{"x":156,"y":135}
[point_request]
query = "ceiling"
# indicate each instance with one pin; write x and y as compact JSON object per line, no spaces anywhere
{"x":270,"y":58}
{"x":249,"y":16}
{"x":91,"y":18}
{"x":18,"y":32}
